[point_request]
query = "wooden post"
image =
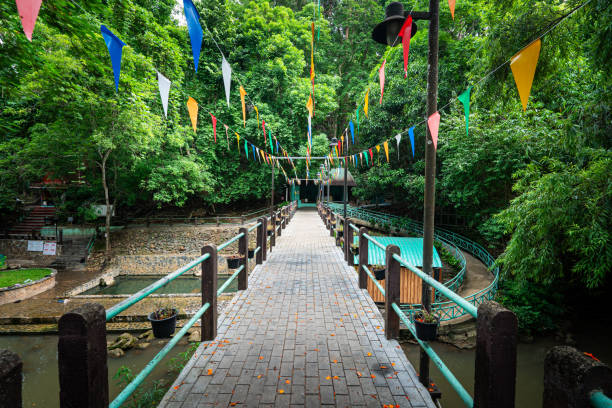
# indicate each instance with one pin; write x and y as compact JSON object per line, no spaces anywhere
{"x":260,"y":241}
{"x":10,"y":379}
{"x":273,"y":236}
{"x":284,"y":222}
{"x":363,"y":259}
{"x":209,"y":293}
{"x":83,"y":373}
{"x":331,"y":224}
{"x":264,"y":247}
{"x":570,"y":376}
{"x":279,"y":216}
{"x":217,"y":221}
{"x":495,"y":374}
{"x":392,"y":292}
{"x":348,"y":242}
{"x":243,"y":250}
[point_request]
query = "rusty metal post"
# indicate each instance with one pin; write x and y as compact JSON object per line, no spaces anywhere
{"x":11,"y":368}
{"x":363,"y":258}
{"x":495,"y":374}
{"x":392,"y":292}
{"x":261,"y":241}
{"x":82,"y":359}
{"x":243,"y":250}
{"x":209,"y":293}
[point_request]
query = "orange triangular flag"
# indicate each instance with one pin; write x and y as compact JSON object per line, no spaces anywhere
{"x":451,"y":5}
{"x":366,"y":102}
{"x":434,"y":124}
{"x":309,"y":105}
{"x":386,"y":144}
{"x":242,"y":95}
{"x":523,"y":66}
{"x":192,"y":107}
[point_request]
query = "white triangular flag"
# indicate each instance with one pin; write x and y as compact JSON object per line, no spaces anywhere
{"x":164,"y":91}
{"x":398,"y":137}
{"x":227,"y":78}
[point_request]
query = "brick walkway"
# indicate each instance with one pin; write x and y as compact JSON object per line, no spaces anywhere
{"x":303,"y":334}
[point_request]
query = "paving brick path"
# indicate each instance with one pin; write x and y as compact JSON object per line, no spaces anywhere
{"x":303,"y":334}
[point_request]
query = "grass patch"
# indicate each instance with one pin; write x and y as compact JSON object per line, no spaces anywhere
{"x":10,"y":278}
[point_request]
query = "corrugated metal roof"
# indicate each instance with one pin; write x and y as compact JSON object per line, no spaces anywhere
{"x":411,"y":249}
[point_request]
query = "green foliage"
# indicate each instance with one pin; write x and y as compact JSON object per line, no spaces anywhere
{"x":12,"y":277}
{"x":142,"y":397}
{"x":447,"y":256}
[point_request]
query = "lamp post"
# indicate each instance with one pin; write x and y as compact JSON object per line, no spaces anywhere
{"x":386,"y":33}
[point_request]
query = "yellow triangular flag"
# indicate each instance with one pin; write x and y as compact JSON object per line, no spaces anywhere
{"x":378,"y":148}
{"x":192,"y":107}
{"x":366,"y":102}
{"x":386,"y":144}
{"x":256,"y":111}
{"x":309,"y":105}
{"x":523,"y":66}
{"x":242,"y":95}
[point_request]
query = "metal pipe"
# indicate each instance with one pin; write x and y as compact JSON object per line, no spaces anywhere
{"x":227,"y":282}
{"x":600,"y":400}
{"x":228,"y":243}
{"x":382,"y":290}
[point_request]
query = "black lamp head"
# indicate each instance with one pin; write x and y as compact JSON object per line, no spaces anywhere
{"x":386,"y":32}
{"x":333,"y":142}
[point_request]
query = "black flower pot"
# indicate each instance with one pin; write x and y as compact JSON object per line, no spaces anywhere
{"x":426,"y":331}
{"x":340,"y":233}
{"x":270,"y":232}
{"x":379,"y":272}
{"x":233,"y":262}
{"x":251,"y":253}
{"x":165,"y":327}
{"x":355,"y":250}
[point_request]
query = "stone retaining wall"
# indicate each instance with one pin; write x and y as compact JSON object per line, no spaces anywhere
{"x":27,"y":290}
{"x":16,"y":250}
{"x":151,"y":264}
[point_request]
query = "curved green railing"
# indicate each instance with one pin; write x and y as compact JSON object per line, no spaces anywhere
{"x":446,"y":310}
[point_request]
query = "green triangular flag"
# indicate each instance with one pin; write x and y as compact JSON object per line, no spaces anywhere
{"x":366,"y":157}
{"x":270,"y":138}
{"x":464,"y":98}
{"x":357,"y":115}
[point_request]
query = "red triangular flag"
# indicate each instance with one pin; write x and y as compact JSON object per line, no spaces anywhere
{"x":405,"y":33}
{"x":214,"y":122}
{"x":371,"y":155}
{"x":28,"y":13}
{"x":434,"y":124}
{"x":263,"y":125}
{"x":381,"y":76}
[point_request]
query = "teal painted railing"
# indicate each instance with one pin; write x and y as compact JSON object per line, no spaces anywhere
{"x":600,"y":400}
{"x":135,"y":298}
{"x":446,"y":310}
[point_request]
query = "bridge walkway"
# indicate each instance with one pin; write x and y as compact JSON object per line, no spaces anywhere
{"x":302,"y":334}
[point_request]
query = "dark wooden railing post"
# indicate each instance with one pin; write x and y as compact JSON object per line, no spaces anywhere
{"x":495,"y":373}
{"x":82,"y":358}
{"x":243,"y":250}
{"x":261,"y":241}
{"x":392,"y":292}
{"x":10,"y":379}
{"x":217,"y":221}
{"x":273,"y":236}
{"x":348,"y":242}
{"x":209,"y":294}
{"x":570,"y":376}
{"x":264,"y":247}
{"x":363,"y":258}
{"x":279,"y":214}
{"x":332,"y":226}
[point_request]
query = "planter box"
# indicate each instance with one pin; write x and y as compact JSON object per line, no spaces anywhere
{"x":233,"y":261}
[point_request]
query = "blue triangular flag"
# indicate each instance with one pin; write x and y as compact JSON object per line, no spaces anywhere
{"x":352,"y":127}
{"x":277,"y":146}
{"x":411,"y":134}
{"x":195,"y":30}
{"x":115,"y":47}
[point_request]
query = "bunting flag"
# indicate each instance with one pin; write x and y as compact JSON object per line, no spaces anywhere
{"x":451,"y":5}
{"x":214,"y":123}
{"x":312,"y":73}
{"x":371,"y":155}
{"x":405,"y":33}
{"x":237,"y":142}
{"x":192,"y":107}
{"x":357,"y":119}
{"x":242,"y":95}
{"x":464,"y":98}
{"x":195,"y":30}
{"x":270,"y":139}
{"x":523,"y":66}
{"x":246,"y":149}
{"x":309,"y":105}
{"x":378,"y":152}
{"x":226,"y":136}
{"x":366,"y":102}
{"x":164,"y":91}
{"x":341,"y":144}
{"x":398,"y":138}
{"x":257,"y":112}
{"x":366,"y":159}
{"x":263,"y":126}
{"x":352,"y":128}
{"x":28,"y":13}
{"x":386,"y":145}
{"x":227,"y":78}
{"x":434,"y":124}
{"x":115,"y":49}
{"x":381,"y":77}
{"x":411,"y":134}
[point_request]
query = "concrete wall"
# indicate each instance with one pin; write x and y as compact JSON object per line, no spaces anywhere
{"x":16,"y":250}
{"x":25,"y":291}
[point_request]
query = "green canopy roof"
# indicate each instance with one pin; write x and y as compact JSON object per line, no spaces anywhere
{"x":411,"y":250}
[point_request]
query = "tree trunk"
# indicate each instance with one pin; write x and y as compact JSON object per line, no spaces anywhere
{"x":107,"y":202}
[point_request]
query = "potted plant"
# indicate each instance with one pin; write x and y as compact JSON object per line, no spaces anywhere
{"x":270,"y":230}
{"x":339,"y":232}
{"x":426,"y":324}
{"x":355,"y":249}
{"x":233,"y":261}
{"x":163,"y":321}
{"x":378,"y":271}
{"x":251,"y":253}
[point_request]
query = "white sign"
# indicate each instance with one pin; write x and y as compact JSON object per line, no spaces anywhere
{"x":100,"y":210}
{"x":35,"y":246}
{"x":49,"y":248}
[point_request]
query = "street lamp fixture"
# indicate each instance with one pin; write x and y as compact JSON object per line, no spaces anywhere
{"x":386,"y":32}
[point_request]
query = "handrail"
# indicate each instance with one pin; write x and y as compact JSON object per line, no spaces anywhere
{"x":375,"y":242}
{"x":455,"y":298}
{"x":230,"y":241}
{"x":229,"y":281}
{"x":354,"y":227}
{"x":254,"y":226}
{"x":450,"y":377}
{"x":600,"y":400}
{"x":131,"y":387}
{"x":365,"y":268}
{"x":141,"y":294}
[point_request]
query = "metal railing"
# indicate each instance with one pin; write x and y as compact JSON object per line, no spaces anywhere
{"x":447,"y":310}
